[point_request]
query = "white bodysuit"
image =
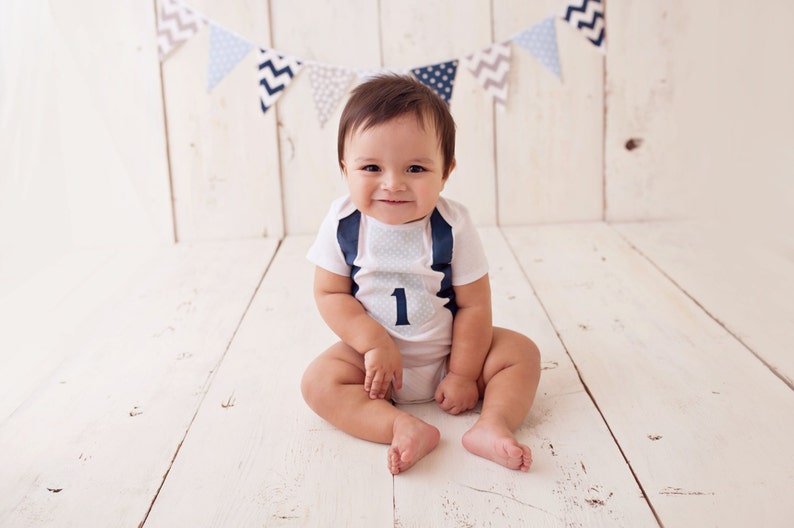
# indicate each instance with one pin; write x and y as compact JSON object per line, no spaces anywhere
{"x":403,"y":276}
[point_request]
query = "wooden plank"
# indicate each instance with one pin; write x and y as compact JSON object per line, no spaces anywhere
{"x":256,"y":454}
{"x":43,"y":311}
{"x":93,"y":443}
{"x":223,"y":151}
{"x":744,"y":285}
{"x":101,"y":129}
{"x":418,"y":33}
{"x":671,"y":78}
{"x":578,"y":477}
{"x":705,"y":425}
{"x":340,"y":33}
{"x":549,"y":141}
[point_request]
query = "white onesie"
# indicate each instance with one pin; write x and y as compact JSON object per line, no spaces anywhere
{"x":403,"y":276}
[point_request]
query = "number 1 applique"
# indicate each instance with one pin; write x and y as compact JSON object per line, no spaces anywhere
{"x":402,"y":306}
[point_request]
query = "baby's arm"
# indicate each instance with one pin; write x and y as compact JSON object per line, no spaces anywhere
{"x":472,"y":332}
{"x":347,"y":318}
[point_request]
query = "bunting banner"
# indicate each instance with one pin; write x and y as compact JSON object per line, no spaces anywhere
{"x":226,"y":50}
{"x":490,"y":67}
{"x":588,"y":17}
{"x":439,"y":77}
{"x":329,"y":84}
{"x":275,"y":73}
{"x":176,"y":23}
{"x":541,"y":41}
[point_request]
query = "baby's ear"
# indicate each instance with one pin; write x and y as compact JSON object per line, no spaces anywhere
{"x":343,"y":167}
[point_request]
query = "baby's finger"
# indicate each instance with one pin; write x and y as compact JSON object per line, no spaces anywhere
{"x":377,"y":383}
{"x":368,"y":380}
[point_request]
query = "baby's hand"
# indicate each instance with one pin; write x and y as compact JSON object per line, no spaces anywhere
{"x":456,"y":394}
{"x":382,"y":364}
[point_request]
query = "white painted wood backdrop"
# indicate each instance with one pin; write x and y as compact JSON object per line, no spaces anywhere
{"x":100,"y":147}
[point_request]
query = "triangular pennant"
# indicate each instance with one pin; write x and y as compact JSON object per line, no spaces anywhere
{"x":439,"y":77}
{"x":490,"y":67}
{"x":588,"y":17}
{"x":541,"y":41}
{"x":328,"y":84}
{"x":176,"y":23}
{"x":226,"y":50}
{"x":275,"y":73}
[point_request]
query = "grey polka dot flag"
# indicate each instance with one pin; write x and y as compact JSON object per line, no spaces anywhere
{"x":329,"y":84}
{"x":439,"y":77}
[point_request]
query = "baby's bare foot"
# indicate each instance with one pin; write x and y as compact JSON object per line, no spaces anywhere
{"x":412,"y":440}
{"x":497,"y":443}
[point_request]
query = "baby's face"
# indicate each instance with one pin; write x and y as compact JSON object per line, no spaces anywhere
{"x":395,"y":170}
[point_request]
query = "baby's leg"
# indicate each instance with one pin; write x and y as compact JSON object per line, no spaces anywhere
{"x":510,"y":377}
{"x":333,"y":386}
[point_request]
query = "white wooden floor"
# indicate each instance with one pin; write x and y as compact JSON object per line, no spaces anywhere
{"x":159,"y":388}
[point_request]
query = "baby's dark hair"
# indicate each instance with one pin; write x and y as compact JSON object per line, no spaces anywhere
{"x":386,"y":97}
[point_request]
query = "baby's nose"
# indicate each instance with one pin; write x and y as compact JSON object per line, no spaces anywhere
{"x":392,"y":181}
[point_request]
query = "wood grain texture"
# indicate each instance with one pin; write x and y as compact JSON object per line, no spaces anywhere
{"x":336,"y":33}
{"x":82,"y":142}
{"x":704,"y":424}
{"x":578,"y":477}
{"x":714,"y":115}
{"x":256,"y":454}
{"x":97,"y":437}
{"x":225,"y":169}
{"x":549,"y":150}
{"x":744,"y":285}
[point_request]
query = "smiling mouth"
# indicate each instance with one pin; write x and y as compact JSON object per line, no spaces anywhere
{"x":393,"y":202}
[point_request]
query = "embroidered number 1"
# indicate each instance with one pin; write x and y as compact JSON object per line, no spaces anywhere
{"x":402,"y":306}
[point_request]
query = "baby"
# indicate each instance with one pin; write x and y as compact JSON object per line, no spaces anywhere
{"x":402,"y":279}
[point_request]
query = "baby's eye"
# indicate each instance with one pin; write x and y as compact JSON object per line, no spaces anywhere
{"x":370,"y":168}
{"x":416,"y":168}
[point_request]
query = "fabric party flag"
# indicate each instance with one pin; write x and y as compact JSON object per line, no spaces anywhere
{"x":439,"y":77}
{"x":226,"y":50}
{"x":328,"y":85}
{"x":176,"y":23}
{"x":588,"y":17}
{"x":541,"y":41}
{"x":490,"y":67}
{"x":275,"y":73}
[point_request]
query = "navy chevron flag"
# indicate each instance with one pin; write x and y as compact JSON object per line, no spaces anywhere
{"x":588,"y":17}
{"x":275,"y":74}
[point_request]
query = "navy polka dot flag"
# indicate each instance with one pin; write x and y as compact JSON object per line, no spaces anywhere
{"x":439,"y":77}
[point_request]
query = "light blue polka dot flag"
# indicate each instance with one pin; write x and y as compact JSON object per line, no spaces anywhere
{"x":541,"y":41}
{"x":226,"y":50}
{"x":439,"y":77}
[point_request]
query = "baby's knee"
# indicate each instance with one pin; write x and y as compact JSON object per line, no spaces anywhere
{"x":312,"y":383}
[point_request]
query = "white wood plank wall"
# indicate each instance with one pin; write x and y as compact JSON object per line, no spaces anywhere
{"x":101,"y":145}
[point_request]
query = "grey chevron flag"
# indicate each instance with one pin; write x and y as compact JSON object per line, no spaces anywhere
{"x":176,"y":23}
{"x":490,"y":67}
